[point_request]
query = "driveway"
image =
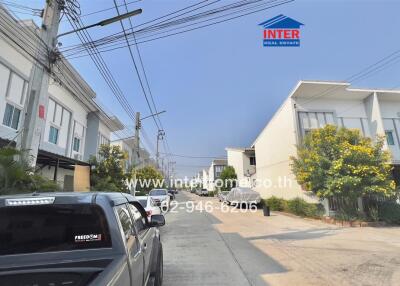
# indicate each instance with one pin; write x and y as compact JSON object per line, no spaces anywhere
{"x":245,"y":248}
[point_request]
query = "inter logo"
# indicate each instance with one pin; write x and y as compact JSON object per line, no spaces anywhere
{"x":281,"y":31}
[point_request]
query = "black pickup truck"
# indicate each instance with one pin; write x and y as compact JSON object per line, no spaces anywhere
{"x":76,"y":239}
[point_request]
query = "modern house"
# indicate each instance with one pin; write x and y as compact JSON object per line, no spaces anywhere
{"x":214,"y":172}
{"x":75,"y":125}
{"x":204,"y":179}
{"x":313,"y":104}
{"x":134,"y":160}
{"x":243,"y":160}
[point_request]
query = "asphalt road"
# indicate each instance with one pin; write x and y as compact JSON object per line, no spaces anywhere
{"x":235,"y":248}
{"x":195,"y":253}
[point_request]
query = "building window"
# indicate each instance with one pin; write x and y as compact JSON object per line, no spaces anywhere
{"x":103,"y":140}
{"x":314,"y":120}
{"x":218,"y":171}
{"x":76,"y":144}
{"x":252,"y":161}
{"x":389,"y":138}
{"x":53,"y":135}
{"x":11,"y":116}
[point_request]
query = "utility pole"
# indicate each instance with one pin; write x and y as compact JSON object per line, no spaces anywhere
{"x":34,"y":120}
{"x":160,"y":136}
{"x":138,"y":125}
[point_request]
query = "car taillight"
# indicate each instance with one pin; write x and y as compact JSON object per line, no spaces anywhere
{"x":148,"y":213}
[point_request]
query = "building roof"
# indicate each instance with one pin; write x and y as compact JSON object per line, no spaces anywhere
{"x":220,"y":162}
{"x":81,"y":90}
{"x":313,"y":89}
{"x":239,"y":149}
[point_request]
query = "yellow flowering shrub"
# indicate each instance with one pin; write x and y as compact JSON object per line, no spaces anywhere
{"x":334,"y":161}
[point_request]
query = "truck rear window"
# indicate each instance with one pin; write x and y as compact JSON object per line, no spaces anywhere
{"x":45,"y":228}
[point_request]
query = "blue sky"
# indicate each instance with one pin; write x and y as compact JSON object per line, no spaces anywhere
{"x":220,"y":86}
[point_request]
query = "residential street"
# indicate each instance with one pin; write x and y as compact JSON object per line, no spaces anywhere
{"x":237,"y":248}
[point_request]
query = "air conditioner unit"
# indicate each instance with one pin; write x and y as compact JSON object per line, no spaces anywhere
{"x":398,"y":114}
{"x":77,"y":157}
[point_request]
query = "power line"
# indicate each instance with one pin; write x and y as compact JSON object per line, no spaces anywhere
{"x":107,"y":9}
{"x":135,"y":65}
{"x":165,"y":142}
{"x":114,"y":38}
{"x":193,"y":157}
{"x":73,"y":51}
{"x":105,"y":72}
{"x":143,"y":69}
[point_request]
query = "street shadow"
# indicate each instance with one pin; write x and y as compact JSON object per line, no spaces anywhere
{"x":297,"y":235}
{"x":253,"y":262}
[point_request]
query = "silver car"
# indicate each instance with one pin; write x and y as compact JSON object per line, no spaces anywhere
{"x":149,"y":205}
{"x":238,"y":196}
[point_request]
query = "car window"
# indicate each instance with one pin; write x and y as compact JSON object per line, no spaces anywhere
{"x":143,"y":203}
{"x":32,"y":229}
{"x":126,"y":221}
{"x":139,"y":220}
{"x":158,"y":192}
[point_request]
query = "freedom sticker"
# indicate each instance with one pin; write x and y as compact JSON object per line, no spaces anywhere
{"x":87,"y":237}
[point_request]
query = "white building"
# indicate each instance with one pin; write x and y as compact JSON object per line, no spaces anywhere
{"x":134,"y":160}
{"x":313,"y":104}
{"x":243,"y":160}
{"x":214,"y":172}
{"x":204,"y":179}
{"x":75,"y":126}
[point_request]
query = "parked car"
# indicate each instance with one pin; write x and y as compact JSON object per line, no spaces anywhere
{"x":149,"y":205}
{"x":160,"y":197}
{"x":222,"y":196}
{"x":238,"y":196}
{"x":198,"y":192}
{"x":193,"y":191}
{"x":93,"y":239}
{"x":203,"y":192}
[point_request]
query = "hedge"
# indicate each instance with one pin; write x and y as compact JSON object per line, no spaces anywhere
{"x":295,"y":206}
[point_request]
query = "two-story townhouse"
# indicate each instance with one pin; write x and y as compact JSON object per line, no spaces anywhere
{"x":69,"y":113}
{"x":313,"y":104}
{"x":204,"y":179}
{"x":75,"y":128}
{"x":134,"y":160}
{"x":127,"y":145}
{"x":243,"y":160}
{"x":15,"y":73}
{"x":214,"y":172}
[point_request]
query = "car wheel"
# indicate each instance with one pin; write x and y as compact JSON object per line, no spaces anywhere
{"x":158,"y":278}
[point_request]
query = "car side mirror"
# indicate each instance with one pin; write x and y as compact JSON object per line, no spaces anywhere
{"x":157,"y":220}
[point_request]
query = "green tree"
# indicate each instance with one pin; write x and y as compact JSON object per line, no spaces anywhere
{"x":340,"y":162}
{"x":228,"y":178}
{"x":148,"y":178}
{"x":109,"y":174}
{"x":17,"y":176}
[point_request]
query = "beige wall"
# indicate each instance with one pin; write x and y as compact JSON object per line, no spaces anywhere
{"x":273,"y":147}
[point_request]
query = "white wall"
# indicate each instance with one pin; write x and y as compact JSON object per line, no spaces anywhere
{"x":48,"y":172}
{"x":15,"y":71}
{"x":235,"y":159}
{"x":240,"y":161}
{"x":69,"y":116}
{"x":205,"y":179}
{"x":273,"y":147}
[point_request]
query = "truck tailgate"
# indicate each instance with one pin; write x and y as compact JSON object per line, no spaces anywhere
{"x":63,"y":274}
